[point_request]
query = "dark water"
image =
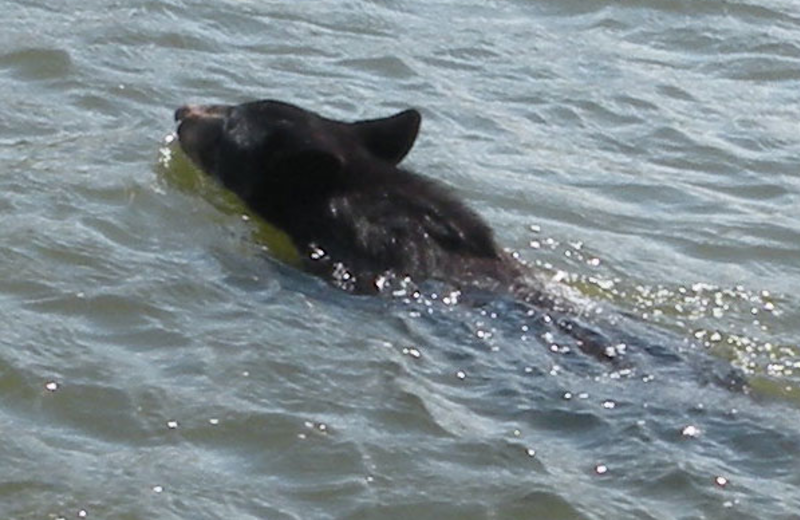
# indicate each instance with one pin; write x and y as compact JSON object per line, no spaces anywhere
{"x":643,"y":156}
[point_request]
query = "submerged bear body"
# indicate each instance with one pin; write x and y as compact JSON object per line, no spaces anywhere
{"x":337,"y":191}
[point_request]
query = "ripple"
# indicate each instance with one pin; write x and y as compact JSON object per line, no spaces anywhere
{"x":385,"y":66}
{"x":37,"y":64}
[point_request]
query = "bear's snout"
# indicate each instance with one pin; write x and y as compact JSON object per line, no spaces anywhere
{"x":182,"y":112}
{"x":200,"y":112}
{"x":199,"y":130}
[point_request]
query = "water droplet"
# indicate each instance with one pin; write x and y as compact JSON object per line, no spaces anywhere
{"x":316,"y":253}
{"x":416,"y":354}
{"x":691,"y":431}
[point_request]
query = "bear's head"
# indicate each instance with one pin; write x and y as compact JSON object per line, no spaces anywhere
{"x":261,"y":145}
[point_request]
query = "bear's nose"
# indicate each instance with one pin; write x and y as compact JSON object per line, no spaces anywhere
{"x":182,"y":112}
{"x":201,"y":111}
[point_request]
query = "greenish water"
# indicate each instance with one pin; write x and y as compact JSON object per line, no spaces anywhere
{"x":157,"y":361}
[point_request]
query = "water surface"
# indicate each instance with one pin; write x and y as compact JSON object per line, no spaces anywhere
{"x":157,"y":362}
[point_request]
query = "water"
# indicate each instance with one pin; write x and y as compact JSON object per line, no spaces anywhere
{"x":157,"y":363}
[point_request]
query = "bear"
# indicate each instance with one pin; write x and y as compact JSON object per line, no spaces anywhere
{"x":336,"y":189}
{"x":357,"y":218}
{"x":364,"y":223}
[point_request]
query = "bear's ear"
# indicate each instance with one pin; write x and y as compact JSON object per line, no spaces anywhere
{"x":389,"y":138}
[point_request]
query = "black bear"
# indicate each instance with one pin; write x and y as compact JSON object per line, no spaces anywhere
{"x":336,"y":190}
{"x":358,"y":219}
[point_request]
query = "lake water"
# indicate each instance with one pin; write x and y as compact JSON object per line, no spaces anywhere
{"x":643,"y":156}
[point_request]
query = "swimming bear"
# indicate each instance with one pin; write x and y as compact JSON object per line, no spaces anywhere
{"x":356,"y":217}
{"x":335,"y":188}
{"x":359,"y":220}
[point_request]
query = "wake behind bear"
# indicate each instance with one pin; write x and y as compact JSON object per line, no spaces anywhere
{"x":336,"y":190}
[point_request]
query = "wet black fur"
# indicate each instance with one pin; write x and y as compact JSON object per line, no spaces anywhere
{"x":336,"y":189}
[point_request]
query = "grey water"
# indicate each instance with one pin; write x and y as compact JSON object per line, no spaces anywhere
{"x":158,"y":361}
